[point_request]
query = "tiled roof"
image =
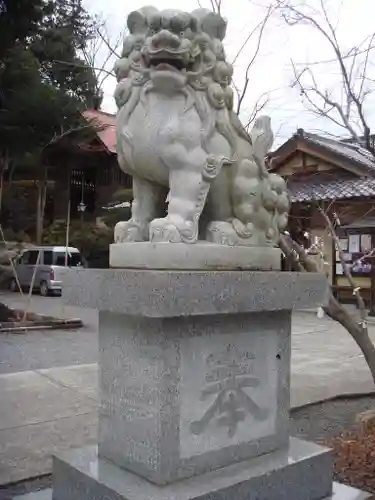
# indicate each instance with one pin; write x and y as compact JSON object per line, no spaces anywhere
{"x":108,"y":122}
{"x":350,"y":151}
{"x":331,"y":189}
{"x":364,"y":222}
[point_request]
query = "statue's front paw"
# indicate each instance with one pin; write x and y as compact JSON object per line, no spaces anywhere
{"x":221,"y":233}
{"x":128,"y":231}
{"x":162,"y":230}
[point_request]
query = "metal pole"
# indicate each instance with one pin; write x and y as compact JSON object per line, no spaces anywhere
{"x":67,"y":233}
{"x":31,"y":286}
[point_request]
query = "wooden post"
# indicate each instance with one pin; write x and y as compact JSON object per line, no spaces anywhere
{"x":1,"y":187}
{"x":372,"y":286}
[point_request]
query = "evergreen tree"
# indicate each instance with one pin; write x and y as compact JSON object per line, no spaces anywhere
{"x":44,"y":85}
{"x":64,"y":31}
{"x":18,"y":20}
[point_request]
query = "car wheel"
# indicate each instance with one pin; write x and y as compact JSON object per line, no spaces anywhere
{"x":13,"y":286}
{"x":44,"y":291}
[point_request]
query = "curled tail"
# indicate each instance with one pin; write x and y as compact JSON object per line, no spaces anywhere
{"x":245,"y":194}
{"x":249,"y":176}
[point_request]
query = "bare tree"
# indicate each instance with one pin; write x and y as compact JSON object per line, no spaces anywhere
{"x":345,"y":103}
{"x":254,"y":36}
{"x":258,"y":32}
{"x":216,"y":5}
{"x":301,"y":261}
{"x":103,"y":49}
{"x":101,"y":52}
{"x":349,"y":115}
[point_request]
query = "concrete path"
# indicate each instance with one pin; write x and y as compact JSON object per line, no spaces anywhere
{"x":45,"y":411}
{"x":326,"y":361}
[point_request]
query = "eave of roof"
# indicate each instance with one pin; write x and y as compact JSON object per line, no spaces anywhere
{"x":316,"y":189}
{"x":343,"y":154}
{"x":107,"y":122}
{"x":363,"y":223}
{"x":346,"y":151}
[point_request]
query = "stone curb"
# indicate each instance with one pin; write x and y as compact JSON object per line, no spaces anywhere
{"x":292,"y":409}
{"x":314,"y":311}
{"x":56,"y":324}
{"x":337,"y":397}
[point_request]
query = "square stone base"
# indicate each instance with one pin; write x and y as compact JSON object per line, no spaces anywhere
{"x":301,"y":471}
{"x":184,"y":396}
{"x":340,"y":492}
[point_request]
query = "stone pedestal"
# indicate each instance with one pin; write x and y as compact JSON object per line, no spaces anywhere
{"x":194,"y":393}
{"x":300,"y":471}
{"x":194,"y":374}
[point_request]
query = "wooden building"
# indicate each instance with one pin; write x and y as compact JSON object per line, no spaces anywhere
{"x":86,"y":173}
{"x":339,"y":177}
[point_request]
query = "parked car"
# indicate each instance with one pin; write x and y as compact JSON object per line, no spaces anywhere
{"x":48,"y":269}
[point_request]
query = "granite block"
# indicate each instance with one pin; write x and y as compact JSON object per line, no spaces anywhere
{"x":182,"y":396}
{"x":37,"y":495}
{"x":164,"y":294}
{"x":202,"y":255}
{"x":340,"y":492}
{"x":301,"y":471}
{"x":343,"y":492}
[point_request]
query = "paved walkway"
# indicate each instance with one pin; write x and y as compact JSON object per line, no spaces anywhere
{"x":44,"y":411}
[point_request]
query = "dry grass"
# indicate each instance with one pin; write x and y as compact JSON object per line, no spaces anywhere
{"x":354,"y":454}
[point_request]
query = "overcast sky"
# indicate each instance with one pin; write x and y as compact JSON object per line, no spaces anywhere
{"x":281,"y":44}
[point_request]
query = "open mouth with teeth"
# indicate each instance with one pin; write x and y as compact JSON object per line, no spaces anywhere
{"x":166,"y":61}
{"x":165,"y":64}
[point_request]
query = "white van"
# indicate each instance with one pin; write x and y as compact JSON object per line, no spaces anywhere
{"x":49,"y":268}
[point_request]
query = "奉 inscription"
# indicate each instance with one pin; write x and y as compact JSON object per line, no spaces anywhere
{"x":228,"y":378}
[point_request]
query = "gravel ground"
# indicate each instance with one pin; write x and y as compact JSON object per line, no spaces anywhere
{"x":40,"y":349}
{"x":7,"y":493}
{"x":314,"y":423}
{"x":326,"y":420}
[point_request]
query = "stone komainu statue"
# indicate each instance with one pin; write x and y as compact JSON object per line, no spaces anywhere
{"x":179,"y":138}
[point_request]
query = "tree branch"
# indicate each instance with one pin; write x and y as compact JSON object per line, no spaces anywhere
{"x":346,"y":269}
{"x":106,"y":40}
{"x":353,"y":97}
{"x":301,"y":261}
{"x":109,"y":73}
{"x":252,"y":60}
{"x":257,"y":108}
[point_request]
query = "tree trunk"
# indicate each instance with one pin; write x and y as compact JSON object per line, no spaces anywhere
{"x":360,"y":336}
{"x":39,"y":216}
{"x":4,"y":168}
{"x":41,"y":205}
{"x":303,"y":262}
{"x":7,"y":314}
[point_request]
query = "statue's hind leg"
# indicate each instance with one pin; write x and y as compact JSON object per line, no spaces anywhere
{"x":148,"y":199}
{"x":220,"y":214}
